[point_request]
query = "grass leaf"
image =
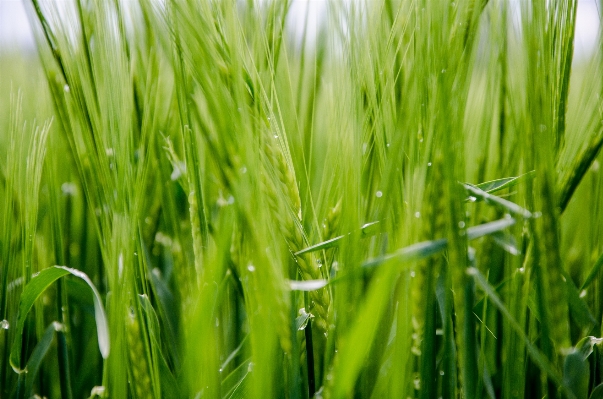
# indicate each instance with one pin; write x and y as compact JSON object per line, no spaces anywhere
{"x":32,"y":291}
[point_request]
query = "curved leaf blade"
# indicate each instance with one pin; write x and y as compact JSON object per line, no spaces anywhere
{"x":32,"y":291}
{"x":102,"y":326}
{"x":493,"y":186}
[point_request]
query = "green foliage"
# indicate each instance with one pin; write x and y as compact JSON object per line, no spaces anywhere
{"x":408,"y":206}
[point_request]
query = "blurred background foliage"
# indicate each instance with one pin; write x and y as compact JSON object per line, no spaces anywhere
{"x":403,"y":201}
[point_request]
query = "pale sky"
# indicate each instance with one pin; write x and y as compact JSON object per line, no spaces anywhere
{"x":15,"y":31}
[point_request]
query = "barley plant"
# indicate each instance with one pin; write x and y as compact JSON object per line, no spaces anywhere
{"x":402,"y":199}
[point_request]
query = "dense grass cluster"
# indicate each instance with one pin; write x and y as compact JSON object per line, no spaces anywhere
{"x":195,"y":204}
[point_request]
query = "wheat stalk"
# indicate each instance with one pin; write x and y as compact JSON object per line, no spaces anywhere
{"x":429,"y":270}
{"x":239,"y":258}
{"x":285,"y":183}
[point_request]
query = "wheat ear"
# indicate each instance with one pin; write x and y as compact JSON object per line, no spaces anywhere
{"x":284,"y":181}
{"x":141,"y":377}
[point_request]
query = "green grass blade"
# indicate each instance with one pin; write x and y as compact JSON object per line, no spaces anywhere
{"x":426,"y":249}
{"x":534,"y":352}
{"x":234,"y":385}
{"x":367,"y":230}
{"x":32,"y":292}
{"x":593,"y":273}
{"x":497,"y":201}
{"x":38,"y":355}
{"x":493,"y":186}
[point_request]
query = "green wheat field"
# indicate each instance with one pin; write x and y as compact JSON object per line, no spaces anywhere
{"x":196,"y":203}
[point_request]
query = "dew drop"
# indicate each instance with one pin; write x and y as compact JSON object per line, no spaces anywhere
{"x":441,"y":372}
{"x":98,"y":391}
{"x":276,"y":136}
{"x":250,"y":367}
{"x":379,"y":194}
{"x":412,"y":273}
{"x":4,"y":324}
{"x":251,"y":268}
{"x":66,"y":89}
{"x":417,"y":214}
{"x":595,"y":166}
{"x":69,"y":188}
{"x":243,"y":170}
{"x":443,"y":71}
{"x":461,"y":224}
{"x":428,"y":163}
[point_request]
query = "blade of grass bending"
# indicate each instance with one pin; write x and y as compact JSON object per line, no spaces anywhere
{"x":535,"y":354}
{"x":367,"y":230}
{"x":32,"y":292}
{"x":333,"y":242}
{"x":493,"y":186}
{"x":427,"y":248}
{"x":414,"y":252}
{"x":370,"y":229}
{"x":497,"y":201}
